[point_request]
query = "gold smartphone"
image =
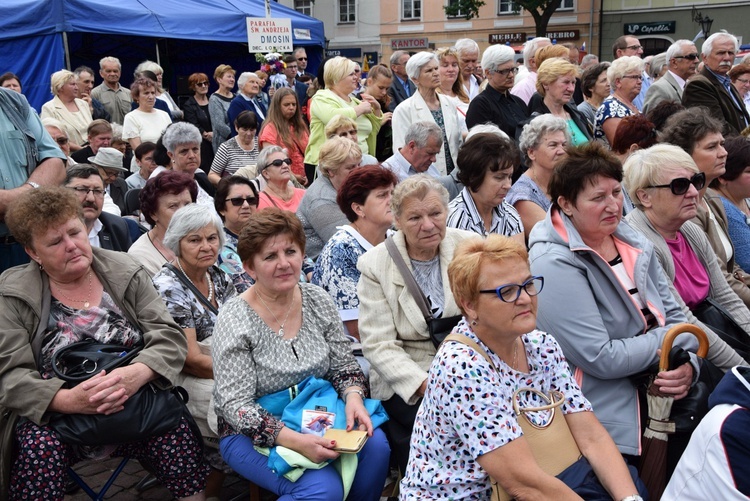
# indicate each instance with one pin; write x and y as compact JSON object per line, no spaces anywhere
{"x":347,"y":441}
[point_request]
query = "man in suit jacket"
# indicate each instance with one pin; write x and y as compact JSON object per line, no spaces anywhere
{"x":713,"y":89}
{"x":682,"y":61}
{"x":106,"y":231}
{"x":401,"y":88}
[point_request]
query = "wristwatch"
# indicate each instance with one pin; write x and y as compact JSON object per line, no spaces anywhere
{"x":34,"y":185}
{"x":349,"y":392}
{"x":634,"y":497}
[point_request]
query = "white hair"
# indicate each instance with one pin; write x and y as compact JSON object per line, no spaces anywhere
{"x":417,"y":61}
{"x":708,"y":45}
{"x":676,"y":49}
{"x":244,"y":77}
{"x":189,"y":219}
{"x":466,"y":45}
{"x":622,"y":66}
{"x":109,"y":59}
{"x":487,"y":128}
{"x":497,"y":55}
{"x":529,"y":49}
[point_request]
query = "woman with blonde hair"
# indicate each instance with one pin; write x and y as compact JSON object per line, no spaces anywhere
{"x":65,"y":107}
{"x":285,"y":127}
{"x":218,"y":104}
{"x":341,"y":81}
{"x":318,"y":211}
{"x":625,"y":78}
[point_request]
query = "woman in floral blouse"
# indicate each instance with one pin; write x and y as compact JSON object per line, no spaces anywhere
{"x":365,"y":199}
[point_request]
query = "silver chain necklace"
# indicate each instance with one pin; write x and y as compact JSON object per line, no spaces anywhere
{"x":281,"y":324}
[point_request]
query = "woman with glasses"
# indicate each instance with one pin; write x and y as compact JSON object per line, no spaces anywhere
{"x":740,"y":77}
{"x":275,"y":172}
{"x":665,"y":185}
{"x":452,"y":448}
{"x":196,"y":112}
{"x":235,"y":201}
{"x":625,"y":77}
{"x":495,"y":104}
{"x":612,"y":325}
{"x":239,"y":151}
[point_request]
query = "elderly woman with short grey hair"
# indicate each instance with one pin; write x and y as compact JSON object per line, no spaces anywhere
{"x":275,"y":172}
{"x":183,"y":143}
{"x":194,"y":289}
{"x":65,"y":107}
{"x":247,"y":99}
{"x":395,"y":337}
{"x":318,"y":211}
{"x":625,"y":77}
{"x":496,"y":104}
{"x":426,"y":104}
{"x":543,"y":142}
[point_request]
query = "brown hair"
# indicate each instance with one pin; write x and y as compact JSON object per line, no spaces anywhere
{"x":581,"y":167}
{"x":221,"y":69}
{"x":36,"y":211}
{"x":265,"y":224}
{"x":289,"y":139}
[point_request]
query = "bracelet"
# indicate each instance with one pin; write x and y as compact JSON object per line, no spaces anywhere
{"x":634,"y":497}
{"x":349,"y":392}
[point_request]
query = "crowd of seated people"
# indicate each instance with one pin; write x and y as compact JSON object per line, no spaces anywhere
{"x":246,"y":246}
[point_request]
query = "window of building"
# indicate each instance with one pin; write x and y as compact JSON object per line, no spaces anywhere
{"x":304,"y":7}
{"x":566,"y":5}
{"x":460,"y":12}
{"x":347,"y":11}
{"x":505,"y":7}
{"x":412,"y":9}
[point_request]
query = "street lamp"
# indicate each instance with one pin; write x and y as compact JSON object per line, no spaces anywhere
{"x":705,"y":22}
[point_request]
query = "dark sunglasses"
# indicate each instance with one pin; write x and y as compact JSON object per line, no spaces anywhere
{"x":61,"y":141}
{"x":202,"y":84}
{"x":681,"y":185}
{"x":238,"y":201}
{"x":301,"y":59}
{"x":509,"y":293}
{"x":690,"y":57}
{"x":277,"y":163}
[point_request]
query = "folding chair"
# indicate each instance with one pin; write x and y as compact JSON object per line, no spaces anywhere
{"x":99,"y":496}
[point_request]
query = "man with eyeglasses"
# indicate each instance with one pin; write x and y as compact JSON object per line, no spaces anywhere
{"x":300,"y":55}
{"x":105,"y":230}
{"x":682,"y":61}
{"x":289,"y":79}
{"x":712,"y":87}
{"x":108,"y":161}
{"x":628,"y":45}
{"x":29,"y":158}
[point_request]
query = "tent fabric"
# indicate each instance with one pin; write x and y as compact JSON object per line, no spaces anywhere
{"x":31,"y":40}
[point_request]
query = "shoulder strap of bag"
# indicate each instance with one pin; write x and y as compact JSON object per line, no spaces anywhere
{"x":271,"y":199}
{"x":187,"y":283}
{"x":411,"y":284}
{"x":459,"y":338}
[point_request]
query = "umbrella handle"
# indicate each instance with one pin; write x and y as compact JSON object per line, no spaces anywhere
{"x":675,"y":331}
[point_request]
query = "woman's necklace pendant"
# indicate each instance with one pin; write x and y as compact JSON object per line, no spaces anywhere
{"x":86,"y":305}
{"x":281,"y":332}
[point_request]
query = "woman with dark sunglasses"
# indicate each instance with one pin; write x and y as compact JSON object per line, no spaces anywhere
{"x":665,"y":185}
{"x":236,"y":199}
{"x":275,"y":172}
{"x":605,"y":298}
{"x":196,"y":112}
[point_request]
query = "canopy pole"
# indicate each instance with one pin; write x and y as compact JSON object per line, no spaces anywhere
{"x":67,"y":49}
{"x":158,"y":57}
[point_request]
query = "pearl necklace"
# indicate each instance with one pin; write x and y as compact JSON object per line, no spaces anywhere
{"x":208,"y":279}
{"x":86,"y":302}
{"x":281,"y":324}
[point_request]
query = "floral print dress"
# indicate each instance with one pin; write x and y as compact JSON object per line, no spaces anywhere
{"x":467,"y":411}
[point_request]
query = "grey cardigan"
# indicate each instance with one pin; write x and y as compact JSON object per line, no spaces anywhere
{"x":719,"y":353}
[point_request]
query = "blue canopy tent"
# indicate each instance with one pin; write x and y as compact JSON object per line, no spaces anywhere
{"x":38,"y":38}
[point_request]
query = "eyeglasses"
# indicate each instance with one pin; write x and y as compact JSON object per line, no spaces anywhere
{"x":83,"y":192}
{"x":681,"y":185}
{"x":509,"y":293}
{"x":238,"y":201}
{"x":505,"y":73}
{"x":62,"y":141}
{"x":691,"y":57}
{"x":634,"y":77}
{"x":634,"y":47}
{"x":202,"y":84}
{"x":277,"y":162}
{"x":744,"y":81}
{"x":301,"y":59}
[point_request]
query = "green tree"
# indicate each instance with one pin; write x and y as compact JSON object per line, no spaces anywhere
{"x":540,"y":10}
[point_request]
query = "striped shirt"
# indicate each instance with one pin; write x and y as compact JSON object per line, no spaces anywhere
{"x":231,"y":157}
{"x":463,"y":214}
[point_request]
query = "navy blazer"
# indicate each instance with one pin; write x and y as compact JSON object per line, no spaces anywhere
{"x":115,"y":234}
{"x":240,"y":104}
{"x":397,"y":92}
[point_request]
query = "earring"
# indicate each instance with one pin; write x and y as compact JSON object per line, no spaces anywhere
{"x":41,"y":266}
{"x":474,"y":322}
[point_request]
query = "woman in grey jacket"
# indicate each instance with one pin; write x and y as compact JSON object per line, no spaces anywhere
{"x":663,"y":217}
{"x":606,"y":299}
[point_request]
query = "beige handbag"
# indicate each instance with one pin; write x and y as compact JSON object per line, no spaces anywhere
{"x":552,"y":445}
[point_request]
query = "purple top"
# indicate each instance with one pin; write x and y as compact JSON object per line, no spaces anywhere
{"x":690,"y":277}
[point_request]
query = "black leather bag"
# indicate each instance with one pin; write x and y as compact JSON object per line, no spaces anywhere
{"x":149,"y":412}
{"x":440,"y":328}
{"x":724,"y":325}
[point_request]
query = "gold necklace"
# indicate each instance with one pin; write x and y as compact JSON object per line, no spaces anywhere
{"x":281,"y":324}
{"x":86,"y":302}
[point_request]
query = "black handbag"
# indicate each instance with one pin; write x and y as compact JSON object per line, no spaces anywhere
{"x":724,"y":325}
{"x":149,"y":412}
{"x":439,"y":328}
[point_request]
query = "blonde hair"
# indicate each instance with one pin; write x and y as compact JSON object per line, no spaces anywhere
{"x":648,"y":167}
{"x":334,"y":152}
{"x":471,"y":255}
{"x":221,"y":69}
{"x":548,"y":52}
{"x":337,"y":69}
{"x":338,"y":122}
{"x":551,"y":70}
{"x":417,"y":186}
{"x":59,"y":79}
